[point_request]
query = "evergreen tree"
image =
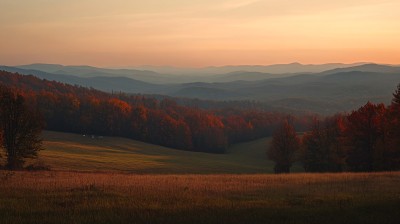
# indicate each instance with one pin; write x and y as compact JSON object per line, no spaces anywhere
{"x":393,"y":154}
{"x":396,"y":97}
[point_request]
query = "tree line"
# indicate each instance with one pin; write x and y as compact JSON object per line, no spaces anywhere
{"x":76,"y":109}
{"x":367,"y":139}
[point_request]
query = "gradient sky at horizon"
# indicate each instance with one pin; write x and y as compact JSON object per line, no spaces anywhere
{"x":199,"y":32}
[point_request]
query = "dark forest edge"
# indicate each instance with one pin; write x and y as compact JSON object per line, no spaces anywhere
{"x":365,"y":140}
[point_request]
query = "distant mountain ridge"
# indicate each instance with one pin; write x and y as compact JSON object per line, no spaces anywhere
{"x":101,"y":82}
{"x":340,"y":89}
{"x":377,"y":68}
{"x":89,"y":71}
{"x":272,"y":69}
{"x":164,"y":75}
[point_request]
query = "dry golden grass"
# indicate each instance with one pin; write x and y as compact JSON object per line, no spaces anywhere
{"x":103,"y":191}
{"x":68,"y":152}
{"x":76,"y":197}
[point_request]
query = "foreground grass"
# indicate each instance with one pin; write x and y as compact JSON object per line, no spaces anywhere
{"x":68,"y":152}
{"x":72,"y":197}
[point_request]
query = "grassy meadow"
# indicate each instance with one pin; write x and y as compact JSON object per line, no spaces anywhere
{"x":116,"y":180}
{"x":64,"y":151}
{"x":76,"y":197}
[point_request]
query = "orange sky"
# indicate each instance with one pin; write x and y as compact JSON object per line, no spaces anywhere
{"x":198,"y":32}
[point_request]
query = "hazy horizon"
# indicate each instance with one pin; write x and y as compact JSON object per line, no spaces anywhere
{"x":198,"y":67}
{"x":198,"y":33}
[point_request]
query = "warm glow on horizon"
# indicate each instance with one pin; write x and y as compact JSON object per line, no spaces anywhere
{"x":199,"y":32}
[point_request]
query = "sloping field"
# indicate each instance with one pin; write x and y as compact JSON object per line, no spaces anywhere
{"x":65,"y":151}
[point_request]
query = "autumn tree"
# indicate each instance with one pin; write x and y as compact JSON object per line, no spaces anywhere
{"x":237,"y":128}
{"x":322,"y":149}
{"x":366,"y":134}
{"x":139,"y":128}
{"x":207,"y":131}
{"x":21,"y":129}
{"x":118,"y":117}
{"x":285,"y":144}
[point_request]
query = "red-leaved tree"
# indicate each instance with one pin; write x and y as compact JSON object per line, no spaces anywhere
{"x":284,"y":146}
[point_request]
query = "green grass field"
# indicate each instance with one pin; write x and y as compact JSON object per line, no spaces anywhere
{"x":65,"y":151}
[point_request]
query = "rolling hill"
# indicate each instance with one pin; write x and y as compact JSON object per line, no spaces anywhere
{"x":376,"y":68}
{"x":338,"y":90}
{"x":325,"y":94}
{"x":89,"y":71}
{"x":104,"y":83}
{"x":168,"y":75}
{"x":64,"y":151}
{"x":272,"y":69}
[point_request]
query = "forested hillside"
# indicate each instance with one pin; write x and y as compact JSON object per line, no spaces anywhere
{"x":367,"y":139}
{"x":82,"y":110}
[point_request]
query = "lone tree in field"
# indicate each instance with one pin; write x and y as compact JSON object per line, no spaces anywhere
{"x":284,"y":146}
{"x":20,"y":129}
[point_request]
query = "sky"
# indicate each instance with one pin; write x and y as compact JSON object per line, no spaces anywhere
{"x":198,"y":33}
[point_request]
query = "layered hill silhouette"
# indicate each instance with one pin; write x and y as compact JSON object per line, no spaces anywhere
{"x":165,"y":75}
{"x":342,"y":88}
